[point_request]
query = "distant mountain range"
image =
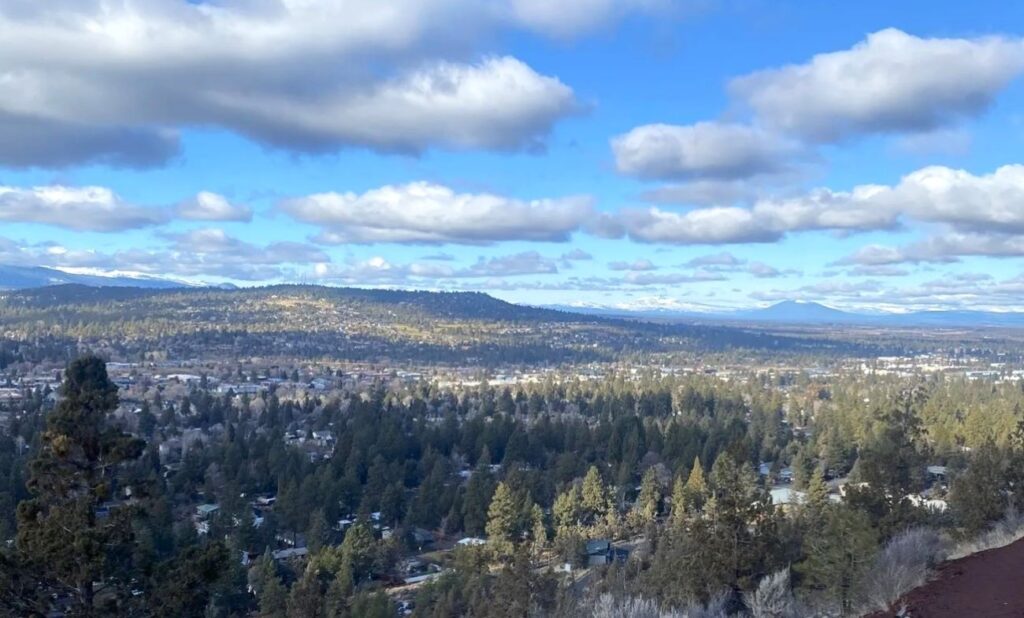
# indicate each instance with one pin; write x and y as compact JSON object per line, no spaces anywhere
{"x":803,"y":312}
{"x":28,"y":277}
{"x":785,"y":312}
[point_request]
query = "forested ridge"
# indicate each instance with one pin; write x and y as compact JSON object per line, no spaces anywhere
{"x":363,"y":324}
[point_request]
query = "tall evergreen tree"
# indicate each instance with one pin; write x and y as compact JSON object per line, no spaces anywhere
{"x":68,"y":530}
{"x":838,"y":553}
{"x":501,"y":520}
{"x":645,"y":509}
{"x":696,"y":489}
{"x":594,"y":498}
{"x":678,"y":502}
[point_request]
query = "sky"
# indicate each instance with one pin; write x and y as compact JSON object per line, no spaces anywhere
{"x":637,"y":154}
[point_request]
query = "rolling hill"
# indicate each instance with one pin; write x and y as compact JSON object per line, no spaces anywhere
{"x":361,"y":324}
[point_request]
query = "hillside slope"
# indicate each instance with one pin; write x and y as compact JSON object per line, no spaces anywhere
{"x":359,"y":324}
{"x":989,"y":583}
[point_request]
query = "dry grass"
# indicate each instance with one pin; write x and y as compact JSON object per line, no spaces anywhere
{"x":902,"y":565}
{"x":1007,"y":530}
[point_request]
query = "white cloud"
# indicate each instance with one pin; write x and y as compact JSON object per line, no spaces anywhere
{"x":723,"y":258}
{"x":198,"y":253}
{"x":525,"y":263}
{"x":873,"y":255}
{"x":890,"y":82}
{"x":211,"y":251}
{"x":764,"y":271}
{"x":110,"y":82}
{"x":576,"y":255}
{"x":966,"y":202}
{"x":877,"y":271}
{"x":640,"y":265}
{"x":947,"y":247}
{"x":207,"y":206}
{"x":94,"y":209}
{"x":427,"y":213}
{"x":703,"y":150}
{"x":702,"y":226}
{"x":378,"y":269}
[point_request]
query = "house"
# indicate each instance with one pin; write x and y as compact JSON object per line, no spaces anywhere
{"x":422,"y":538}
{"x":471,"y":541}
{"x":290,"y":554}
{"x":599,"y":552}
{"x":786,"y":497}
{"x":205,"y":511}
{"x":937,"y":474}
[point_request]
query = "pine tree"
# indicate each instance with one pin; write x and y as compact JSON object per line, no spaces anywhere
{"x":567,"y":510}
{"x":979,"y":495}
{"x":817,"y":497}
{"x":696,"y":489}
{"x":336,"y":599}
{"x":182,"y":586}
{"x":273,"y":599}
{"x":318,"y":532}
{"x":358,"y":549}
{"x":306,"y":599}
{"x":538,"y":531}
{"x":479,"y":491}
{"x":594,"y":498}
{"x":678,"y":502}
{"x":76,"y":471}
{"x":501,"y":520}
{"x":375,"y":605}
{"x":838,"y":555}
{"x":645,"y":510}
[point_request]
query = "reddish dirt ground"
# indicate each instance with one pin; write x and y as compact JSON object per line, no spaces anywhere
{"x":988,"y":584}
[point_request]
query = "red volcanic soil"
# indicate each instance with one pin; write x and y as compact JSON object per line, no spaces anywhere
{"x":988,"y":584}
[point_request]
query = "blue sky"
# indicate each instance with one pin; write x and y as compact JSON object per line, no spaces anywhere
{"x":633,"y":153}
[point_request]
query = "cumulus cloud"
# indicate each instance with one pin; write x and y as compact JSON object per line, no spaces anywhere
{"x":525,"y":263}
{"x":723,"y":258}
{"x":576,"y":255}
{"x":890,"y":82}
{"x":764,"y":271}
{"x":877,"y":271}
{"x":703,"y":150}
{"x":200,"y":253}
{"x":111,"y":82}
{"x":636,"y":265}
{"x":970,"y":204}
{"x":378,"y":269}
{"x":989,"y":202}
{"x":217,"y":244}
{"x":207,"y":206}
{"x":94,"y":209}
{"x":702,"y":226}
{"x":949,"y":247}
{"x":426,"y":213}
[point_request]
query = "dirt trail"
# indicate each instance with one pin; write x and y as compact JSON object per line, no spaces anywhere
{"x":988,"y":584}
